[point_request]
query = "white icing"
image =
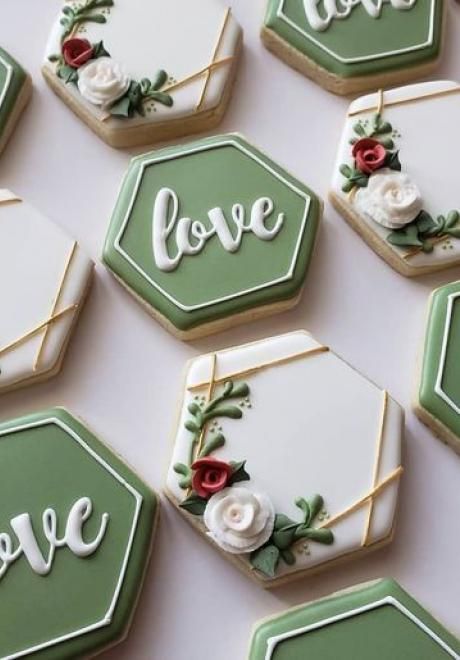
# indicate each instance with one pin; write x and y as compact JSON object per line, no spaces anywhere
{"x":381,"y":49}
{"x":28,"y":545}
{"x":28,"y":288}
{"x":239,"y":520}
{"x":226,"y":140}
{"x":178,"y":36}
{"x":6,"y":543}
{"x":423,"y":143}
{"x":103,"y":81}
{"x":390,"y":198}
{"x":321,"y":13}
{"x":192,"y":235}
{"x":272,"y":642}
{"x":308,"y":417}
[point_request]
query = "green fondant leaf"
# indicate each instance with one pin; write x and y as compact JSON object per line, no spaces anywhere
{"x":359,"y":130}
{"x":194,"y":408}
{"x":240,"y":390}
{"x":266,"y":559}
{"x":94,"y":18}
{"x":427,"y":246}
{"x":347,"y":186}
{"x":324,"y":536}
{"x":67,"y":73}
{"x":65,"y":21}
{"x":393,"y":161}
{"x":345,"y":170}
{"x":305,"y":507}
{"x":239,"y":473}
{"x":316,"y":504}
{"x":190,"y":425}
{"x":282,"y":520}
{"x":145,"y":85}
{"x":194,"y":504}
{"x":54,"y":58}
{"x":212,"y":444}
{"x":284,"y":538}
{"x":121,"y":108}
{"x":103,"y":3}
{"x":232,"y":412}
{"x":407,"y":237}
{"x":288,"y":556}
{"x":387,"y":143}
{"x":68,"y":10}
{"x":383,"y":128}
{"x":425,"y":222}
{"x":159,"y":80}
{"x":161,"y":97}
{"x":185,"y":471}
{"x":452,"y":219}
{"x":454,"y":232}
{"x":376,"y":122}
{"x":99,"y":50}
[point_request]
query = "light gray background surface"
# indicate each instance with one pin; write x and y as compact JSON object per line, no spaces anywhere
{"x":123,"y":372}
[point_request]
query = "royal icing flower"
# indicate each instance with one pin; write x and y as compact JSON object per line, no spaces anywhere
{"x":369,"y":155}
{"x":77,"y":52}
{"x":391,"y":199}
{"x":239,"y":520}
{"x":210,"y":476}
{"x":103,"y":81}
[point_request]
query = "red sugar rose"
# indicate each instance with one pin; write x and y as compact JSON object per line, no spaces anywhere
{"x":77,"y":52}
{"x":369,"y":155}
{"x":210,"y":476}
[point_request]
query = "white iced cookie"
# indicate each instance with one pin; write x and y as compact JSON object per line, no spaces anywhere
{"x":239,"y":521}
{"x":391,"y":199}
{"x":44,"y":278}
{"x":142,"y":71}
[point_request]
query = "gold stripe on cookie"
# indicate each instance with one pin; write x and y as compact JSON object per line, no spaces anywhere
{"x":310,"y":352}
{"x":215,"y":53}
{"x":411,"y":99}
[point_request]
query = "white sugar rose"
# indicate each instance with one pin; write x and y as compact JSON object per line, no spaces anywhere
{"x":391,"y":199}
{"x":239,"y":520}
{"x":103,"y":81}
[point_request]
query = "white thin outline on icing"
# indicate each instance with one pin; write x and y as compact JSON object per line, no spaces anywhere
{"x":442,"y":363}
{"x":9,"y":77}
{"x":365,"y":58}
{"x":388,"y":600}
{"x":192,"y":150}
{"x":107,"y":619}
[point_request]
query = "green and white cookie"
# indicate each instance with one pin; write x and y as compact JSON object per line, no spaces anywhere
{"x":15,"y":91}
{"x":359,"y":45}
{"x":393,"y":180}
{"x":438,"y":395}
{"x":377,"y":620}
{"x":210,"y":234}
{"x":76,"y":527}
{"x":143,"y":71}
{"x":264,"y":432}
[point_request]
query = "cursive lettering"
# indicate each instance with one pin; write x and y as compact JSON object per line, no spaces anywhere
{"x":321,"y":13}
{"x":191,"y":236}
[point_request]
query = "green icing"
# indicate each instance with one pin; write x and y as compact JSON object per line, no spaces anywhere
{"x":380,"y":634}
{"x":219,"y":175}
{"x":362,"y":36}
{"x":44,"y":467}
{"x":428,"y":397}
{"x":9,"y":91}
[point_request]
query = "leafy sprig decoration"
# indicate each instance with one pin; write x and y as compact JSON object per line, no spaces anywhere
{"x":425,"y":231}
{"x":74,"y":15}
{"x":287,"y":533}
{"x":377,"y":129}
{"x":141,"y":92}
{"x":220,"y":406}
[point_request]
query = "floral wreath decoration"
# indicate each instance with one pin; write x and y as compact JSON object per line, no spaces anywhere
{"x":100,"y":79}
{"x":239,"y":520}
{"x":382,"y":191}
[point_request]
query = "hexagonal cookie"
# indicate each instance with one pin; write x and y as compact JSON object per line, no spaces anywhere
{"x":264,"y":432}
{"x":438,"y":394}
{"x":211,"y":234}
{"x":358,"y":45}
{"x":138,"y":71}
{"x":15,"y":91}
{"x":45,"y":277}
{"x":76,"y":527}
{"x":384,"y":184}
{"x":377,"y":619}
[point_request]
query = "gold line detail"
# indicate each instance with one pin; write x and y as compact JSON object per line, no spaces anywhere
{"x":198,"y":74}
{"x":57,"y":299}
{"x":380,"y":102}
{"x":375,"y":474}
{"x":310,"y":352}
{"x":215,"y":53}
{"x":417,"y":250}
{"x":412,"y":99}
{"x":34,"y":331}
{"x":363,"y":500}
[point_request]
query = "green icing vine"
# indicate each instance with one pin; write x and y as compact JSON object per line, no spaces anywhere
{"x":138,"y":94}
{"x":424,"y":231}
{"x":287,"y":533}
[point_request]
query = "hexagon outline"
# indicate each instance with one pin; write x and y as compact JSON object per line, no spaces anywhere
{"x":272,"y":642}
{"x":9,"y":77}
{"x":442,"y":362}
{"x":194,"y":149}
{"x":107,"y":619}
{"x":354,"y":60}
